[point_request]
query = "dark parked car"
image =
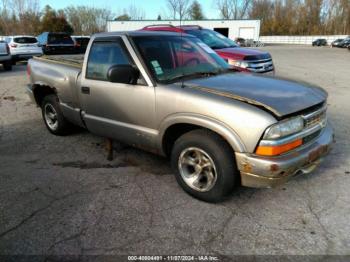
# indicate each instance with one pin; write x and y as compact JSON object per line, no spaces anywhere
{"x":319,"y":42}
{"x":81,"y":43}
{"x":345,"y":43}
{"x":336,"y":42}
{"x":56,"y":43}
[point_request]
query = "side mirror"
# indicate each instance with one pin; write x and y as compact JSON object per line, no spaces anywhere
{"x":126,"y":74}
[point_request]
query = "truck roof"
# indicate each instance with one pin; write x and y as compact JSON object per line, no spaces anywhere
{"x":139,"y":33}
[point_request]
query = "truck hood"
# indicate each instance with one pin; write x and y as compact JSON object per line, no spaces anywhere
{"x":279,"y":96}
{"x":239,"y":53}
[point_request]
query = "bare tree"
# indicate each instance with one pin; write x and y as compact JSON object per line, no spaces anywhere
{"x":179,"y":9}
{"x":87,"y":20}
{"x":132,"y":12}
{"x":173,"y":6}
{"x":19,"y":16}
{"x":233,"y":9}
{"x":136,"y":13}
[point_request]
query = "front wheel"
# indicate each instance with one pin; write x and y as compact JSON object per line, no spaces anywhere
{"x":204,"y":165}
{"x":53,"y":116}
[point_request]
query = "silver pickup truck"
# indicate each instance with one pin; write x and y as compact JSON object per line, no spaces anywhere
{"x":172,"y":95}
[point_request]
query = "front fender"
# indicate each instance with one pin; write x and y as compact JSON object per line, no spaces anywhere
{"x":206,"y":122}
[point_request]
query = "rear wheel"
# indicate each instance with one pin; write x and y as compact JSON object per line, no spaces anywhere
{"x":53,"y":116}
{"x":204,"y":165}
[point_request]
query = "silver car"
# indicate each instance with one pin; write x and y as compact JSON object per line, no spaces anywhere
{"x":172,"y":95}
{"x":23,"y":47}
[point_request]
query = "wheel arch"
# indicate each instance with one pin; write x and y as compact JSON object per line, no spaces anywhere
{"x":40,"y":90}
{"x":176,"y":125}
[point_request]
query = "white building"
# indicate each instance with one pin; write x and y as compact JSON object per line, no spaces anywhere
{"x":247,"y":29}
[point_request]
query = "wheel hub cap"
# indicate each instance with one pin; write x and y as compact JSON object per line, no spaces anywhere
{"x":51,"y":117}
{"x":197,"y":169}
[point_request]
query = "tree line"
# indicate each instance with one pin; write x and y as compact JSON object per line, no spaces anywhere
{"x":278,"y":17}
{"x":302,"y":17}
{"x":25,"y":17}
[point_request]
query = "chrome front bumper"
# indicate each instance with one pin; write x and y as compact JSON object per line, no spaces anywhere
{"x":258,"y":171}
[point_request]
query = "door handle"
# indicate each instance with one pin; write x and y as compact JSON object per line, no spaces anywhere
{"x":85,"y":90}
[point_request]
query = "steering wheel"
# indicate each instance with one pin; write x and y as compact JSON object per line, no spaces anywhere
{"x":192,"y":60}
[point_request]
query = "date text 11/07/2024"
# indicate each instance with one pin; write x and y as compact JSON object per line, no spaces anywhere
{"x":173,"y":258}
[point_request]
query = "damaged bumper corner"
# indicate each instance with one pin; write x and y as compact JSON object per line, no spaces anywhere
{"x":257,"y":171}
{"x":30,"y":93}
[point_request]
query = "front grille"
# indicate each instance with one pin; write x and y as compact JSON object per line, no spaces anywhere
{"x":315,"y":120}
{"x":317,"y":117}
{"x":311,"y":137}
{"x":261,"y":66}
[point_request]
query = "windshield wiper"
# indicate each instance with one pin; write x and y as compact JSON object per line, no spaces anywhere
{"x":195,"y":74}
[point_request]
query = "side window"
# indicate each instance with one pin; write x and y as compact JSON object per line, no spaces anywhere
{"x":102,"y":56}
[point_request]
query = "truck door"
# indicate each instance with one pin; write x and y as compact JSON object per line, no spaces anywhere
{"x":120,"y":111}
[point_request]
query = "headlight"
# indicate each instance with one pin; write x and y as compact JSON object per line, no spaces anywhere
{"x":238,"y":63}
{"x":285,"y":128}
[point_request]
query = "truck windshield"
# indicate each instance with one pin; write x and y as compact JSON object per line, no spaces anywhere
{"x":171,"y":58}
{"x":213,"y":39}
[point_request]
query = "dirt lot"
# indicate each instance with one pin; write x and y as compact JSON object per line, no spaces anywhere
{"x":59,"y":195}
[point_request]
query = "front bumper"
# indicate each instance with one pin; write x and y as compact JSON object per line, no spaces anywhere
{"x":258,"y":171}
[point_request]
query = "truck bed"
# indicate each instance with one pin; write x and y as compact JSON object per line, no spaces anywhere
{"x":69,"y":60}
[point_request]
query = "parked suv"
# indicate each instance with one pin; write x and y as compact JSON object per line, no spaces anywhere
{"x":5,"y":56}
{"x":319,"y":42}
{"x":81,"y":43}
{"x":241,"y":59}
{"x":56,"y":43}
{"x":23,"y":47}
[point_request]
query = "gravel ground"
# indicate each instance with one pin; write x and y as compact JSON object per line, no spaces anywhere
{"x":60,"y":196}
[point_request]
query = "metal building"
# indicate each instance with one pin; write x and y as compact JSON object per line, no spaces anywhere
{"x":247,"y":29}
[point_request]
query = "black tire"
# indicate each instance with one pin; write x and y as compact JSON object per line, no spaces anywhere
{"x":63,"y":127}
{"x":8,"y":65}
{"x":221,"y":154}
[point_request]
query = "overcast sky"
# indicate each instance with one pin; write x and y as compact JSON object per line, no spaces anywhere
{"x":151,"y":7}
